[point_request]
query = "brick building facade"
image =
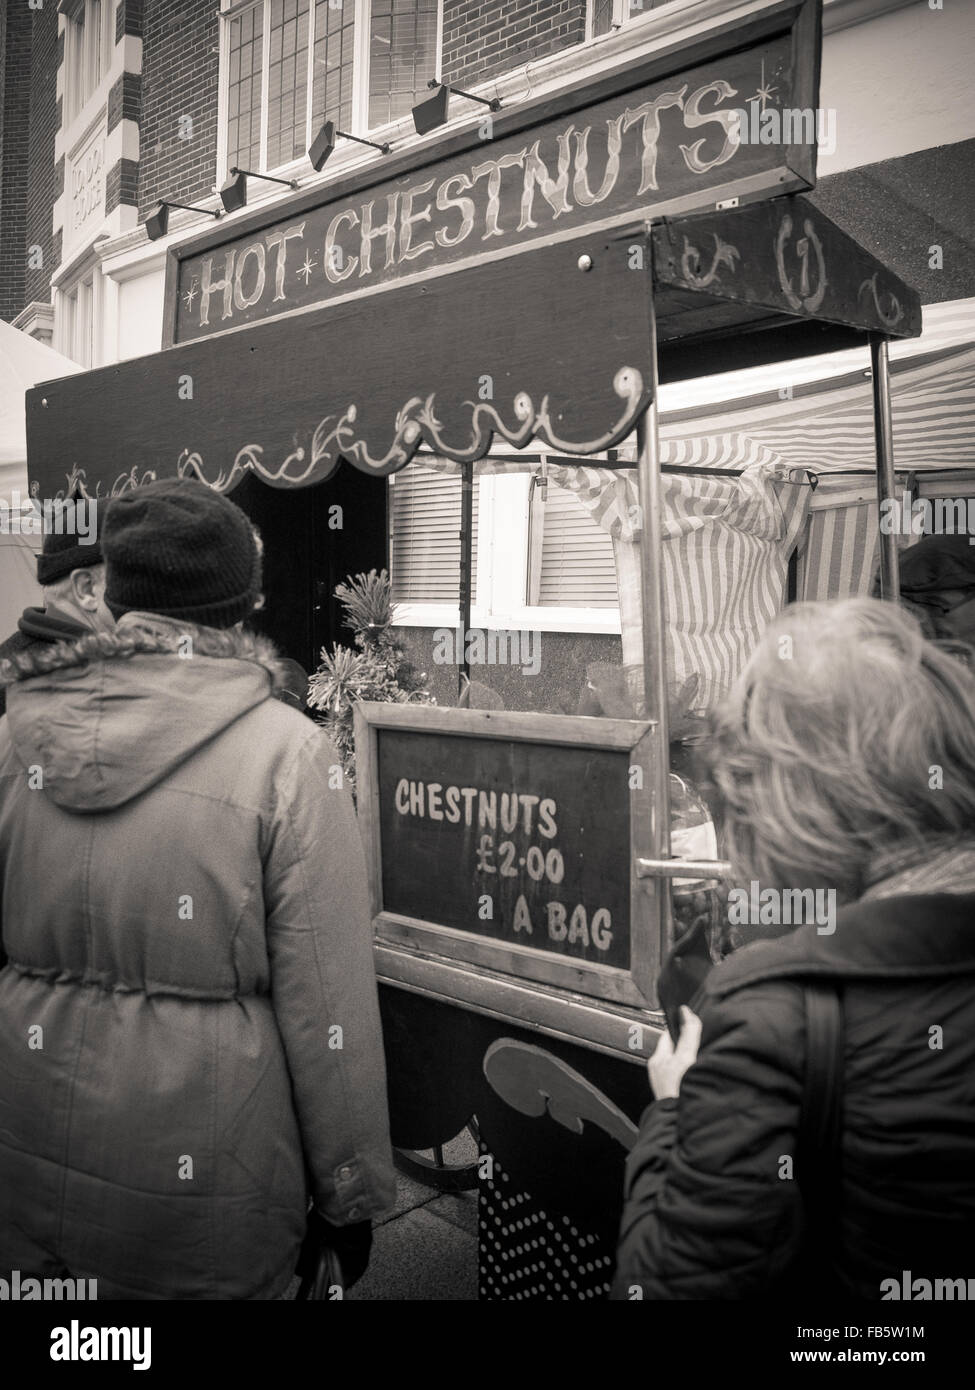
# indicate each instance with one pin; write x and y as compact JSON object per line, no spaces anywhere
{"x":15,"y":47}
{"x":45,"y":170}
{"x":481,"y":40}
{"x":107,"y":106}
{"x":178,"y":124}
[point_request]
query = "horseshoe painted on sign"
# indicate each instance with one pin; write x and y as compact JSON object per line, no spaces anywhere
{"x":802,"y":300}
{"x":724,"y":254}
{"x":888,"y":317}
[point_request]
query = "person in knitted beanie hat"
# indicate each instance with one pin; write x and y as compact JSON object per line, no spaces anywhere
{"x":186,"y":882}
{"x":71,"y":573}
{"x":181,"y":550}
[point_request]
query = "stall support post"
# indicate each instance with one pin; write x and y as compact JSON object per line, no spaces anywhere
{"x":886,"y":482}
{"x":654,"y":629}
{"x":466,"y":569}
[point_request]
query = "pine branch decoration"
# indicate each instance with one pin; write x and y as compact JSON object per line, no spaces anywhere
{"x":376,"y":668}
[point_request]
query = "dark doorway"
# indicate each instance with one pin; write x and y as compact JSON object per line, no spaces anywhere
{"x":314,"y":537}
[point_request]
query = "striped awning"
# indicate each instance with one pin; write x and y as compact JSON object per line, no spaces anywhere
{"x":838,"y":552}
{"x":825,"y":424}
{"x":727,"y":543}
{"x":932,"y":406}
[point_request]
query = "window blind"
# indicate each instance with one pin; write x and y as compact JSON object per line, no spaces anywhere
{"x":425,"y":508}
{"x":576,"y":567}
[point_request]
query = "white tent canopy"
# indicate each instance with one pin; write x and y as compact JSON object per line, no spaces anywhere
{"x":19,"y":588}
{"x":818,"y":413}
{"x":23,"y":363}
{"x":703,"y":400}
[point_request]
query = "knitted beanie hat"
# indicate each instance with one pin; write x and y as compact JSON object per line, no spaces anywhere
{"x":71,"y":537}
{"x":180,"y":549}
{"x":936,"y":563}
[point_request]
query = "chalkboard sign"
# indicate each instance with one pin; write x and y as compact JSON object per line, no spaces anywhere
{"x":508,"y":841}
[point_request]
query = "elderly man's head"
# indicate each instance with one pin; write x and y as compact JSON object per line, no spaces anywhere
{"x":70,"y":567}
{"x":180,"y":550}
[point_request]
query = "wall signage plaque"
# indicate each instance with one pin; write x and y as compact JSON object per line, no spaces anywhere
{"x":655,"y":138}
{"x":84,"y":188}
{"x":507,"y":841}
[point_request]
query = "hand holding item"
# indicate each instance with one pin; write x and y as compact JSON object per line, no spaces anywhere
{"x":669,"y":1063}
{"x":351,"y":1244}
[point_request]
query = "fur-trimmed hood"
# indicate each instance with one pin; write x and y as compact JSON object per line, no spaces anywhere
{"x":100,"y":720}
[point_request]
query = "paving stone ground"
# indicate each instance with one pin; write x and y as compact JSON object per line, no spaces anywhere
{"x":425,"y":1249}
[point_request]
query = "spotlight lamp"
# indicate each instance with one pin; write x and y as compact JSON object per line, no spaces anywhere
{"x":324,"y":143}
{"x":233,"y":194}
{"x":157,"y":223}
{"x":430,"y":114}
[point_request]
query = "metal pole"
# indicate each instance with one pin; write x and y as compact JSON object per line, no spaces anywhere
{"x":654,"y":628}
{"x":890,"y":587}
{"x":466,"y":569}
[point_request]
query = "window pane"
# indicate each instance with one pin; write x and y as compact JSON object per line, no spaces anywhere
{"x":287,"y":81}
{"x":81,"y":65}
{"x":245,"y":88}
{"x":602,"y":16}
{"x":332,"y":85}
{"x":95,"y":26}
{"x":402,"y":56}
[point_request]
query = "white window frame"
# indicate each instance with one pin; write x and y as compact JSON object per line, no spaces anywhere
{"x":231,"y":9}
{"x":622,"y":16}
{"x":502,"y":573}
{"x":86,"y":62}
{"x":615,"y":23}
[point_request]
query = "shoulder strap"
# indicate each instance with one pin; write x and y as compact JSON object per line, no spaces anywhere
{"x":821,"y":1116}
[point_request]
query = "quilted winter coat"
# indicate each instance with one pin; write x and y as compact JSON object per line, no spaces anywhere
{"x":189,"y":1027}
{"x":711,"y":1212}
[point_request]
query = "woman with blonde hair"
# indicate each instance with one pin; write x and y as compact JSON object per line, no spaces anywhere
{"x":815,"y":1123}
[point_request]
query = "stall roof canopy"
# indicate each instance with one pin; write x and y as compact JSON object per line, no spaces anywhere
{"x":553,"y":344}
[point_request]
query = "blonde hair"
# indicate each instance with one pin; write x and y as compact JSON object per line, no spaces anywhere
{"x":847,"y":734}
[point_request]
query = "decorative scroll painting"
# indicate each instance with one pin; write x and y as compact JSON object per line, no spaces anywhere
{"x":553,"y":345}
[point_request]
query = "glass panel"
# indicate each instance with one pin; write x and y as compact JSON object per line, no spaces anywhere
{"x":332,"y":82}
{"x":78,"y":65}
{"x":245,"y":88}
{"x":95,"y":26}
{"x":602,"y":16}
{"x":287,"y":81}
{"x":402,"y":56}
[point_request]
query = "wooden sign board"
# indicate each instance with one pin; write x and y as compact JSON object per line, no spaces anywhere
{"x":783,"y":256}
{"x":507,"y":842}
{"x":656,"y":137}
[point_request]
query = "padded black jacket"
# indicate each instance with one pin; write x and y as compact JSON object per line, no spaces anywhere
{"x":711,"y":1211}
